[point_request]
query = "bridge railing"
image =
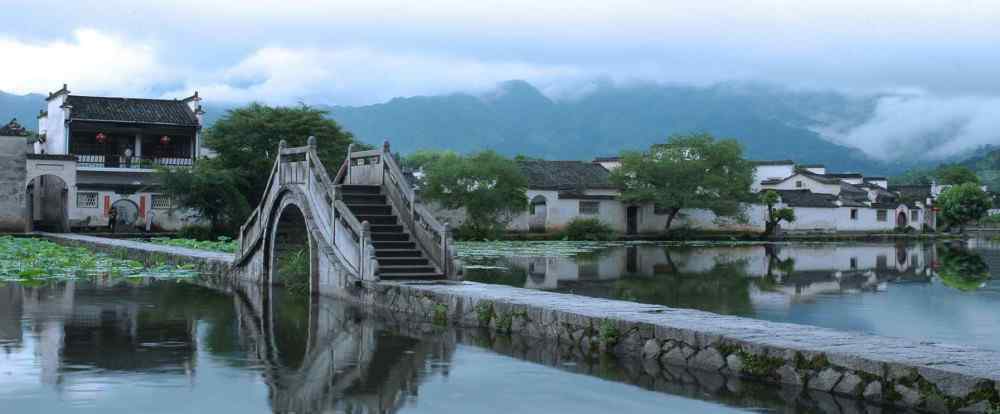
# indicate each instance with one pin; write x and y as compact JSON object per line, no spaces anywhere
{"x":339,"y":227}
{"x":379,"y":167}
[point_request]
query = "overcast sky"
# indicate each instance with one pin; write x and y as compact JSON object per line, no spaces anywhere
{"x":358,"y":52}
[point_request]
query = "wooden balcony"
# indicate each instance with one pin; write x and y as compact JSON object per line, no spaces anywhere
{"x":104,"y":161}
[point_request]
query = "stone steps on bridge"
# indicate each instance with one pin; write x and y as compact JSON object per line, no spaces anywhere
{"x":398,"y":255}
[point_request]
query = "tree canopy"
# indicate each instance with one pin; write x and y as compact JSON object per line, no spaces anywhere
{"x":963,"y":203}
{"x":490,"y":187}
{"x":687,"y":172}
{"x":224,"y":188}
{"x":775,"y":215}
{"x":955,"y":175}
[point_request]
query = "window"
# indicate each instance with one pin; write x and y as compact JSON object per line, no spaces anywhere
{"x":881,"y":215}
{"x":86,"y":199}
{"x":914,"y":215}
{"x":798,"y":184}
{"x":854,"y":263}
{"x":159,"y":201}
{"x":854,"y":214}
{"x":590,"y":207}
{"x":881,"y":262}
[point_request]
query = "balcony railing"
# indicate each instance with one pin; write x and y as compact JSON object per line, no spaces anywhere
{"x":103,"y":161}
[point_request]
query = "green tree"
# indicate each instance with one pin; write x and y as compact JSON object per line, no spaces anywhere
{"x":963,"y":203}
{"x":245,"y":143}
{"x":775,"y":215}
{"x":689,"y":171}
{"x":212,"y":192}
{"x":955,"y":175}
{"x":490,"y":187}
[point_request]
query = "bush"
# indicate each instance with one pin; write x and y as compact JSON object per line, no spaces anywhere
{"x":588,"y":229}
{"x":194,"y":232}
{"x":471,"y":232}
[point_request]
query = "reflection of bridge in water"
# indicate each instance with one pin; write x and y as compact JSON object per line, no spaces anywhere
{"x":345,"y":362}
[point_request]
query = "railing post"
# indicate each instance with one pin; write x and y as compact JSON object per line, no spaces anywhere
{"x":385,"y":153}
{"x":281,"y":147}
{"x":350,"y":148}
{"x":366,"y":233}
{"x":444,"y":251}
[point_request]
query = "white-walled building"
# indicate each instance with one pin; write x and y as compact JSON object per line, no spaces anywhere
{"x":98,"y":154}
{"x":560,"y":191}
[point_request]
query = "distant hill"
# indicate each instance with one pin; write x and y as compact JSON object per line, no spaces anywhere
{"x":23,"y":107}
{"x":772,"y":123}
{"x":516,"y":118}
{"x":987,"y":166}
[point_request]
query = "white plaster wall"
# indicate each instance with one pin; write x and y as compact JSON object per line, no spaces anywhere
{"x":559,"y":212}
{"x":807,"y":184}
{"x":172,"y":219}
{"x":767,"y":172}
{"x":54,"y":127}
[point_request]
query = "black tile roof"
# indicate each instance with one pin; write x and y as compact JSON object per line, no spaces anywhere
{"x":806,"y":198}
{"x":773,"y":162}
{"x":13,"y":129}
{"x":811,"y":166}
{"x":130,"y":110}
{"x":565,"y":175}
{"x":919,"y":192}
{"x":844,"y":175}
{"x":607,"y":159}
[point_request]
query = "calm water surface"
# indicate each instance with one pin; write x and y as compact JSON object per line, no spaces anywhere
{"x":931,"y":292}
{"x":175,"y":347}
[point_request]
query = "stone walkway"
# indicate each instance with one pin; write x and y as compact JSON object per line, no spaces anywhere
{"x":205,"y":259}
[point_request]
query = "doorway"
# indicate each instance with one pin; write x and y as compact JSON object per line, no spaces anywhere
{"x":632,"y":220}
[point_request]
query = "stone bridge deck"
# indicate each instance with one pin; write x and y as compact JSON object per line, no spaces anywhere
{"x":926,"y":376}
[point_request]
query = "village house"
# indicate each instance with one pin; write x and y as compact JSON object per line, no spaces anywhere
{"x":559,"y":191}
{"x":95,"y":155}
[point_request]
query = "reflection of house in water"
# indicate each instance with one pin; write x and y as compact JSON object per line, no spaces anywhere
{"x":11,"y":308}
{"x":786,"y":273}
{"x":122,"y":329}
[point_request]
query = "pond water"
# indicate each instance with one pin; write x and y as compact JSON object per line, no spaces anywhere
{"x":946,"y":293}
{"x":167,"y":346}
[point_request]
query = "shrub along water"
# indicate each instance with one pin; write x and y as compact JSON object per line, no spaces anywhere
{"x":588,"y":229}
{"x":221,"y":244}
{"x":293,"y":269}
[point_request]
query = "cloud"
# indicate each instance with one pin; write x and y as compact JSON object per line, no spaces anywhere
{"x":927,"y":127}
{"x":362,"y":76}
{"x":93,"y":62}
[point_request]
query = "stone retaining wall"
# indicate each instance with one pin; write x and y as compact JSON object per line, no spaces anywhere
{"x":889,"y":371}
{"x":878,"y":370}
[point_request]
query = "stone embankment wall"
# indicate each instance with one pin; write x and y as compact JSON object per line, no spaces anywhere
{"x":888,"y":371}
{"x":878,"y":371}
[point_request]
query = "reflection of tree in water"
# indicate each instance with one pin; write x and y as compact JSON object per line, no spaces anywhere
{"x":723,"y":289}
{"x":498,"y":271}
{"x":961,"y":269}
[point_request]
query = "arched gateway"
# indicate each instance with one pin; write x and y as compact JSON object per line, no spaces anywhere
{"x":363,"y":225}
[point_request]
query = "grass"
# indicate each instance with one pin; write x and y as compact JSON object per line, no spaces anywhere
{"x":222,"y":244}
{"x":33,"y":261}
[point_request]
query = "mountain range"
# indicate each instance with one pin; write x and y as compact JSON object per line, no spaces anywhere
{"x":516,"y":118}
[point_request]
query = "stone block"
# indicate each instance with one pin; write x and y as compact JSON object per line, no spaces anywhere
{"x":873,"y":391}
{"x":910,"y":397}
{"x":789,"y":375}
{"x":950,"y":383}
{"x":651,"y":367}
{"x":675,"y":356}
{"x":709,"y":359}
{"x":735,"y":363}
{"x":826,"y":380}
{"x":651,"y":350}
{"x":979,"y":407}
{"x":849,"y":384}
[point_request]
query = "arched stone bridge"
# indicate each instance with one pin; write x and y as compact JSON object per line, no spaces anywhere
{"x":362,"y":226}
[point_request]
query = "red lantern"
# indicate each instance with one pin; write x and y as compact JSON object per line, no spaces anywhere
{"x":164,"y":140}
{"x":101,"y":138}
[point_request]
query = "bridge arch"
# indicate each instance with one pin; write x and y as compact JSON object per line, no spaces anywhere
{"x":291,"y":252}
